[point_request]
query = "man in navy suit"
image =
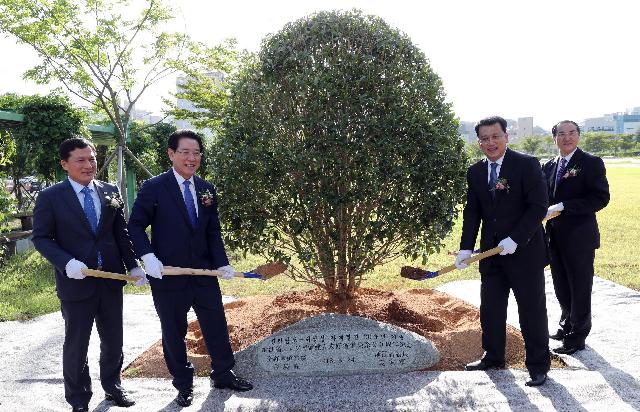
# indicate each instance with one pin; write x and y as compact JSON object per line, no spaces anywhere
{"x":506,"y":193}
{"x":181,"y":209}
{"x":79,"y":223}
{"x":578,"y":188}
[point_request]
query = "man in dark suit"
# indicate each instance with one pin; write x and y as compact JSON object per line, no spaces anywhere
{"x":181,"y":209}
{"x":578,"y":188}
{"x":79,"y":223}
{"x":507,"y":194}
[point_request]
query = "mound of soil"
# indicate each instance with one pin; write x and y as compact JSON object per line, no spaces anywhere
{"x":450,"y":323}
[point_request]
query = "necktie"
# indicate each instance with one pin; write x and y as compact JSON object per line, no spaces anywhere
{"x":90,"y":211}
{"x":493,"y":179}
{"x":188,"y":201}
{"x":561,"y":170}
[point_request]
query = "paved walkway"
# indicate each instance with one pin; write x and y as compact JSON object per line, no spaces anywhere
{"x":605,"y":376}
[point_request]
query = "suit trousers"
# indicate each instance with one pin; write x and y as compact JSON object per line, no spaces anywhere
{"x":172,"y":307}
{"x":573,"y":282}
{"x":105,"y":307}
{"x":528,"y":288}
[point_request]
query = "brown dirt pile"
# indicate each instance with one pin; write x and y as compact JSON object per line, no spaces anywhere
{"x":450,"y":323}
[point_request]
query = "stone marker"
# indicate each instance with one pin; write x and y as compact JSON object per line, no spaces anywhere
{"x":334,"y":344}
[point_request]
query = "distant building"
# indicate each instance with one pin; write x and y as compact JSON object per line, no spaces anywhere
{"x":467,"y":131}
{"x":525,"y":127}
{"x":627,"y":123}
{"x":599,"y":124}
{"x":618,"y":123}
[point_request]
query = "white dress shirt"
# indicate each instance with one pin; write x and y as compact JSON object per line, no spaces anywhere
{"x":192,"y":188}
{"x":77,"y":187}
{"x":499,"y":162}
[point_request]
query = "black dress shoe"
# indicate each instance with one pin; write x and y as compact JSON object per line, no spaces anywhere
{"x":559,"y":335}
{"x":483,"y":365}
{"x":568,"y":350}
{"x":119,"y":398}
{"x":236,"y":383}
{"x":185,"y":397}
{"x":80,"y":409}
{"x":537,"y":379}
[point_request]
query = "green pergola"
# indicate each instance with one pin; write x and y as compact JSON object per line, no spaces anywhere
{"x":100,"y":135}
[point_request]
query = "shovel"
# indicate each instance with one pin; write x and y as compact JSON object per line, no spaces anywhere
{"x":263,"y":272}
{"x":420,"y":274}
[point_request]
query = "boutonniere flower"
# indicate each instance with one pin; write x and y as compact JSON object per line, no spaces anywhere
{"x":206,"y":197}
{"x":571,"y":172}
{"x":501,"y":184}
{"x":114,"y":200}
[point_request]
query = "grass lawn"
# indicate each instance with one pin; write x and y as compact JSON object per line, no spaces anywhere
{"x":27,"y":284}
{"x":620,"y":229}
{"x":27,"y":287}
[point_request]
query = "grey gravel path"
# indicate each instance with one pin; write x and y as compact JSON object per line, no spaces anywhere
{"x":605,"y":376}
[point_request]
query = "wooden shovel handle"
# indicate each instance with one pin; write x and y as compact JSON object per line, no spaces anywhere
{"x":108,"y":275}
{"x":486,"y":253}
{"x":173,"y":270}
{"x":472,"y":259}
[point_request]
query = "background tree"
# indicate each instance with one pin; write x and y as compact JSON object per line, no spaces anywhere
{"x":149,"y":144}
{"x":339,"y":151}
{"x":48,"y":121}
{"x":531,"y":145}
{"x":597,"y":143}
{"x":105,"y":52}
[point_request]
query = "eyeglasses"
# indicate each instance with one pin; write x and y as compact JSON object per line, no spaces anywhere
{"x":186,"y":153}
{"x":569,"y":133}
{"x":487,"y":139}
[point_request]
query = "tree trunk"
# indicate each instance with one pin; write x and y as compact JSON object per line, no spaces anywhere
{"x":101,"y":157}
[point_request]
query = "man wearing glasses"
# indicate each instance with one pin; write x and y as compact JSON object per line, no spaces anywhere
{"x":507,"y":196}
{"x":578,"y":188}
{"x":182,"y":211}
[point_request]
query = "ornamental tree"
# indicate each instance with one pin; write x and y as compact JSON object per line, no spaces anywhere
{"x":339,"y":152}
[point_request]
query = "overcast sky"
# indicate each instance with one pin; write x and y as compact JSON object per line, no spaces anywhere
{"x":550,"y":59}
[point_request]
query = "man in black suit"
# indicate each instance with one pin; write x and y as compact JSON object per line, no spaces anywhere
{"x":507,"y":194}
{"x":182,"y":211}
{"x":578,"y":188}
{"x":79,"y":223}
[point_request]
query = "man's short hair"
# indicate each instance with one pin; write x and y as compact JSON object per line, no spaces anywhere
{"x":73,"y":143}
{"x":554,"y":129}
{"x":488,"y":121}
{"x":174,"y":138}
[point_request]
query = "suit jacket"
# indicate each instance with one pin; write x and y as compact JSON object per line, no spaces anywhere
{"x":516,"y":212}
{"x":582,"y":195}
{"x":61,"y":232}
{"x":173,"y":240}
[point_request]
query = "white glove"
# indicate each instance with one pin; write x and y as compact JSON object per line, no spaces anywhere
{"x":74,"y":269}
{"x":462,"y":255}
{"x":227,"y":272}
{"x":508,"y":246}
{"x":152,"y":266}
{"x":558,"y":207}
{"x":138,"y":272}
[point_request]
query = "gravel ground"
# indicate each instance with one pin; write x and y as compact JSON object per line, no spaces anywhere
{"x":605,"y":376}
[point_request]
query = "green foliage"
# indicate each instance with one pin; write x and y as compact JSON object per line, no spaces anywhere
{"x":598,"y":143}
{"x":48,"y":121}
{"x":27,"y":287}
{"x":149,"y":144}
{"x":531,"y":144}
{"x":339,"y":151}
{"x":473,"y":151}
{"x":98,"y":49}
{"x":205,"y":83}
{"x":106,"y":52}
